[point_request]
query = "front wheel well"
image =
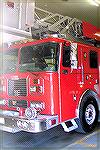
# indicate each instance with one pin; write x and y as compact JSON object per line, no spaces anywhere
{"x":88,"y":93}
{"x":88,"y":112}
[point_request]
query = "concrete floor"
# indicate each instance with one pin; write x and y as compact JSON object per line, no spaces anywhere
{"x":52,"y":139}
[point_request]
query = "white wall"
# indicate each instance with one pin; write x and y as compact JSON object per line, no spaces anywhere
{"x":19,"y":16}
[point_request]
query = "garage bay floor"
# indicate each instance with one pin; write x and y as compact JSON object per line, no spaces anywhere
{"x":52,"y":139}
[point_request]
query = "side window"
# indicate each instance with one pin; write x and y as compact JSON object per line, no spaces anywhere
{"x":66,"y":56}
{"x":93,"y":59}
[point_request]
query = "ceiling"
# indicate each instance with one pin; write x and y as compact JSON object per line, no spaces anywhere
{"x":80,"y":9}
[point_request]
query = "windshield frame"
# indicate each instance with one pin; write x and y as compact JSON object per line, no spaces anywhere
{"x":40,"y":44}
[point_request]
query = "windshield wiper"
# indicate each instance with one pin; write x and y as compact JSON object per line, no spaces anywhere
{"x":29,"y":70}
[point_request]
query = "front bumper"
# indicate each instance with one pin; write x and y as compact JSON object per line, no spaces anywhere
{"x":13,"y":123}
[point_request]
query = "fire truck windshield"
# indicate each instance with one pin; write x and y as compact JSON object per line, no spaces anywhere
{"x":40,"y":57}
{"x":8,"y":61}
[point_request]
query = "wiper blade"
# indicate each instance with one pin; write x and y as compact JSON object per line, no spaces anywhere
{"x":29,"y":70}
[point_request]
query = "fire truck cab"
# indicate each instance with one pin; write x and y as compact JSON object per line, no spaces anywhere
{"x":48,"y":82}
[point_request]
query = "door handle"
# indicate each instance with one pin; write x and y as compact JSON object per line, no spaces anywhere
{"x":65,"y":71}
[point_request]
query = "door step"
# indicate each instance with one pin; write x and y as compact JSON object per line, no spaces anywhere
{"x":69,"y":125}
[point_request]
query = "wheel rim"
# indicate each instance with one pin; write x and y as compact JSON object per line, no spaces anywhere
{"x":90,"y":114}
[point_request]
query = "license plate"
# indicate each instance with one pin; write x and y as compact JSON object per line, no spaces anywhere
{"x":2,"y":120}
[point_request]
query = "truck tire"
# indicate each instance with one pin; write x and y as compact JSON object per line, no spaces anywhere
{"x":88,"y":115}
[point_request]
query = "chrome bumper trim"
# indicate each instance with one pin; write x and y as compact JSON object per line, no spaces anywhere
{"x":16,"y":124}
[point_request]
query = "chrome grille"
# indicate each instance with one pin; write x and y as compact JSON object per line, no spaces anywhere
{"x":17,"y":87}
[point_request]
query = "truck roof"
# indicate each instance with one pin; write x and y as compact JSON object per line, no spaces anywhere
{"x":28,"y":42}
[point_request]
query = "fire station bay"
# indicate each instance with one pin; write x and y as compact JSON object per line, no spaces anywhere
{"x":49,"y":74}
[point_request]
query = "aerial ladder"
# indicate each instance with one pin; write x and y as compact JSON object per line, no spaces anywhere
{"x":46,"y":22}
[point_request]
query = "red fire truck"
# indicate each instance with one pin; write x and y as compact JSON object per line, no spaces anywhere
{"x":47,"y":82}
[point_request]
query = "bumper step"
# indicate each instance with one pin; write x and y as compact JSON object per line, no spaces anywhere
{"x":69,"y":125}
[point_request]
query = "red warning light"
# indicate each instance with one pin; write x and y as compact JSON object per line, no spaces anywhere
{"x":10,"y":4}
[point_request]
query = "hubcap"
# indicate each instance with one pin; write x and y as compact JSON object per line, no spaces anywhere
{"x":90,"y":114}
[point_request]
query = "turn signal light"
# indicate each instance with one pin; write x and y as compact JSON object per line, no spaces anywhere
{"x":38,"y":89}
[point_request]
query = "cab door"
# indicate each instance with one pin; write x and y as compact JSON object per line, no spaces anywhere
{"x":68,"y":78}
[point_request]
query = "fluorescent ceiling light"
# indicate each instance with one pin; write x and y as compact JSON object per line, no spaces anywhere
{"x":7,"y":38}
{"x":95,"y":2}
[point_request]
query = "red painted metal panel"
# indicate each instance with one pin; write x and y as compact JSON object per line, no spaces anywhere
{"x":48,"y":97}
{"x":99,"y":71}
{"x":89,"y":30}
{"x":62,"y":92}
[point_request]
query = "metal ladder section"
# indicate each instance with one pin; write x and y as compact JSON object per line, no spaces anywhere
{"x":69,"y":125}
{"x":46,"y":22}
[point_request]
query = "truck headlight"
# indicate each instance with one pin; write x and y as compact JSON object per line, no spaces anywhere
{"x":31,"y":113}
{"x":38,"y":89}
{"x":33,"y":89}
